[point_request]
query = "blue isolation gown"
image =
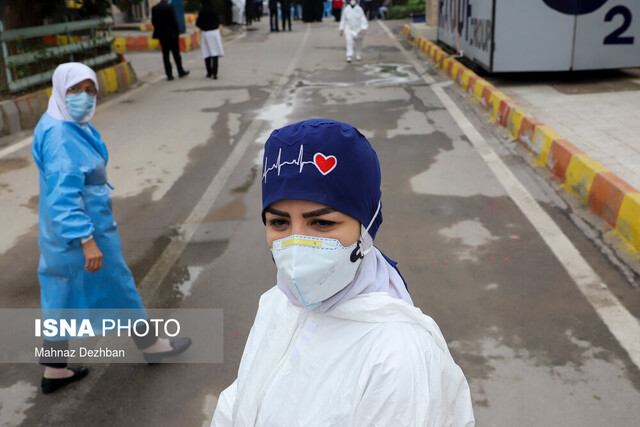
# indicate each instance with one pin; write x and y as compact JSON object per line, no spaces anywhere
{"x":75,"y":203}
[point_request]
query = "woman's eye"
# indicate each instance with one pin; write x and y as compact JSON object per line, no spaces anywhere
{"x":322,"y":223}
{"x":278,"y":223}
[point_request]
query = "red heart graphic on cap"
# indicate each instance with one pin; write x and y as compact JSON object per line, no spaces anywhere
{"x":325,"y":164}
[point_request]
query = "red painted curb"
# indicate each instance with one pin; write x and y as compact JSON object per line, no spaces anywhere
{"x":605,"y":197}
{"x":527,"y":128}
{"x":560,"y":154}
{"x":607,"y":191}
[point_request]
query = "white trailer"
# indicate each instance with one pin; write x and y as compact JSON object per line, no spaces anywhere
{"x":543,"y":35}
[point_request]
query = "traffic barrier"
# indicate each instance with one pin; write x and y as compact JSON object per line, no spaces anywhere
{"x":610,"y":197}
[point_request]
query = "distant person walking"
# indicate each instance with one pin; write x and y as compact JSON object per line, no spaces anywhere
{"x":336,"y":9}
{"x":249,"y":10}
{"x":165,"y":29}
{"x":210,"y":40}
{"x":273,"y":15}
{"x":285,"y":6}
{"x":354,"y":25}
{"x":257,"y":5}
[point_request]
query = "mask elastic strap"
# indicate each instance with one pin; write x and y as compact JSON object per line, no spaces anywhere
{"x":358,"y":252}
{"x":375,"y":215}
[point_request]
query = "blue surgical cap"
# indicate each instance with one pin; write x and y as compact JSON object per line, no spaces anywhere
{"x":326,"y":162}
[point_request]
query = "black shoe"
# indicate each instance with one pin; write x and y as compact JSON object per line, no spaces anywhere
{"x":169,"y":78}
{"x":49,"y":385}
{"x":208,"y":76}
{"x":184,"y":74}
{"x":215,"y":77}
{"x":179,"y":346}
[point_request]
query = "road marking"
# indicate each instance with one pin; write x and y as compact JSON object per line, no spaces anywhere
{"x":15,"y":147}
{"x":622,"y":324}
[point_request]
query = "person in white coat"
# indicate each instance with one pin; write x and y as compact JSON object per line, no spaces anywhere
{"x":337,"y":341}
{"x":354,"y":25}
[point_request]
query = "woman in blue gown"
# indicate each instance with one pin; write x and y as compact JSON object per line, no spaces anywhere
{"x":81,"y":264}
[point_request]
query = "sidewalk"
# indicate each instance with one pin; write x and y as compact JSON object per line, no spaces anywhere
{"x":592,"y":119}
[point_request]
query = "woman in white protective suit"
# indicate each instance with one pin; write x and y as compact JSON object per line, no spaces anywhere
{"x":354,"y":25}
{"x":337,"y":342}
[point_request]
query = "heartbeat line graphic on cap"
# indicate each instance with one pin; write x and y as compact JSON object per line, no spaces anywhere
{"x":325,"y":164}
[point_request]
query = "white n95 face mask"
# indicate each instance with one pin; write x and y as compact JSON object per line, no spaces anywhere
{"x":316,"y":268}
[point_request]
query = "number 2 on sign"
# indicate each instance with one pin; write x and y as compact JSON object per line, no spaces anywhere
{"x":614,"y":37}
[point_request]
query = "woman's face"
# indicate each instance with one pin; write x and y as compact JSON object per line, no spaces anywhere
{"x":84,"y":86}
{"x":285,"y":218}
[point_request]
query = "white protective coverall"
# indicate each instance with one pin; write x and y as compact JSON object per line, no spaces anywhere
{"x":237,"y":11}
{"x":352,"y":23}
{"x":372,"y":360}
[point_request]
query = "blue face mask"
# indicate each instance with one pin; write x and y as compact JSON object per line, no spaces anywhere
{"x":79,"y":105}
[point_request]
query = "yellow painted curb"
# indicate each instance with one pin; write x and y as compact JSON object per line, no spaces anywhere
{"x":495,"y":99}
{"x":580,"y":173}
{"x":454,"y":70}
{"x":120,"y":43}
{"x":110,"y":80}
{"x":541,"y":141}
{"x":627,"y":223}
{"x":466,"y":74}
{"x":577,"y":170}
{"x":515,"y":120}
{"x":444,"y":63}
{"x":478,"y":91}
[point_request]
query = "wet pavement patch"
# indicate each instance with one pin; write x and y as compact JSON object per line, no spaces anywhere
{"x":12,"y":164}
{"x":251,"y":177}
{"x":378,"y":74}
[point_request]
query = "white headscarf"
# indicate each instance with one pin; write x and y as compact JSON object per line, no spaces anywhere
{"x":65,"y":76}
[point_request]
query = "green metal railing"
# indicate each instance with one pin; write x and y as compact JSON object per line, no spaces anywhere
{"x":94,"y":47}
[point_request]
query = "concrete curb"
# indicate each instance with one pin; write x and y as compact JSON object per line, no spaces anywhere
{"x":23,"y":113}
{"x":187,"y":42}
{"x":608,"y":196}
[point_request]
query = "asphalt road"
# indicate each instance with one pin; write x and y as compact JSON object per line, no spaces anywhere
{"x":488,"y":245}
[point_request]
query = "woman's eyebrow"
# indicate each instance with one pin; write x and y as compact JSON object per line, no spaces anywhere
{"x":318,"y":212}
{"x":276,"y":212}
